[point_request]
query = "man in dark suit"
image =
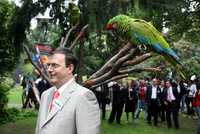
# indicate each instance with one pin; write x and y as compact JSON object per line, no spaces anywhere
{"x":171,"y":100}
{"x":118,"y":101}
{"x":153,"y":101}
{"x":104,"y":99}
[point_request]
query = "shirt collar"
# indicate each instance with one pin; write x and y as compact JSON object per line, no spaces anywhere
{"x":154,"y":86}
{"x":63,"y":87}
{"x":170,"y":89}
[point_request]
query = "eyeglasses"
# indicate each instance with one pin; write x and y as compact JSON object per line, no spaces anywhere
{"x":52,"y":65}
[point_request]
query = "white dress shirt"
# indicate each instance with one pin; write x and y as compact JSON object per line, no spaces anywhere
{"x":170,"y":95}
{"x":154,"y":92}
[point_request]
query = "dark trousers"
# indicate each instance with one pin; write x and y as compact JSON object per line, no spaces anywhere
{"x":188,"y":101}
{"x":172,"y":111}
{"x":152,"y":111}
{"x":116,"y":113}
{"x":103,"y":108}
{"x":162,"y":112}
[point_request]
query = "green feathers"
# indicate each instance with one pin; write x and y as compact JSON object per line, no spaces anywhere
{"x":74,"y":13}
{"x":138,"y":31}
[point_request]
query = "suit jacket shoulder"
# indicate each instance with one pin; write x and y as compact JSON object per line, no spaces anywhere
{"x":87,"y":112}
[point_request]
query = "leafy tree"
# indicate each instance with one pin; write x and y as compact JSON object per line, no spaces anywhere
{"x":7,"y":51}
{"x":162,"y":14}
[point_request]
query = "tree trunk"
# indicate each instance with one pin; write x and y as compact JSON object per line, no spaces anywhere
{"x":80,"y":69}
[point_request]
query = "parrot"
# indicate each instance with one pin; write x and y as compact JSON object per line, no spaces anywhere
{"x":74,"y":13}
{"x":140,"y":32}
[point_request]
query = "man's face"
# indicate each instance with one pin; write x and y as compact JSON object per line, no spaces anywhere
{"x":58,"y":72}
{"x":154,"y":82}
{"x":168,"y":84}
{"x":162,"y":83}
{"x":142,"y":82}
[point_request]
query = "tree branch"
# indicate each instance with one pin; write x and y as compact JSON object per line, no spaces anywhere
{"x":67,"y":35}
{"x":119,"y":62}
{"x":113,"y":71}
{"x":138,"y":70}
{"x":79,"y":36}
{"x":138,"y":59}
{"x":109,"y":80}
{"x":35,"y":65}
{"x":108,"y":65}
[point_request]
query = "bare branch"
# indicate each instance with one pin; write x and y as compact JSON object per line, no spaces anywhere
{"x":138,"y":59}
{"x":35,"y":91}
{"x":138,"y":70}
{"x":61,"y":41}
{"x":108,"y":65}
{"x":113,"y":71}
{"x":112,"y":79}
{"x":79,"y":36}
{"x":67,"y":35}
{"x":119,"y":62}
{"x":35,"y":65}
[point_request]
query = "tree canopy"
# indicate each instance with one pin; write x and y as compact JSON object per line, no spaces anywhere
{"x":179,"y":18}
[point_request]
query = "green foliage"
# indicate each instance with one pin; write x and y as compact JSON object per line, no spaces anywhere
{"x":51,"y":36}
{"x":5,"y":84}
{"x":190,"y":53}
{"x":181,"y":17}
{"x":27,"y":68}
{"x":20,"y":21}
{"x":7,"y":52}
{"x":15,"y":95}
{"x":8,"y":115}
{"x":13,"y":114}
{"x":3,"y":95}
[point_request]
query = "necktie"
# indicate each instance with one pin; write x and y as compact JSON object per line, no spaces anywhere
{"x":55,"y":96}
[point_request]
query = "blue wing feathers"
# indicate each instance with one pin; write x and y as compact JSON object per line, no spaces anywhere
{"x":156,"y":46}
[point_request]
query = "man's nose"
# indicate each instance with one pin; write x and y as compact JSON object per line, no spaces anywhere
{"x":50,"y":69}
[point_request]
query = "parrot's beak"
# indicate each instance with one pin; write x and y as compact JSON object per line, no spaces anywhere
{"x":109,"y":27}
{"x":110,"y":30}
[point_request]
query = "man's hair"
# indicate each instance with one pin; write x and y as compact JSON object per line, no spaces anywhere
{"x":70,"y":58}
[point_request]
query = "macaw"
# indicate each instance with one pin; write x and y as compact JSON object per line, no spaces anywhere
{"x":139,"y":32}
{"x":75,"y":13}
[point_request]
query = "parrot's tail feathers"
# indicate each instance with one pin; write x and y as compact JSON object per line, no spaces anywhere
{"x":177,"y":64}
{"x":174,"y":55}
{"x":181,"y":71}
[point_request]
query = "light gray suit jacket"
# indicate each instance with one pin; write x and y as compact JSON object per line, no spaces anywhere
{"x":76,"y":112}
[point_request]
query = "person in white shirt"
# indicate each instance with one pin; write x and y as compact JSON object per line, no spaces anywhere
{"x":191,"y":91}
{"x":171,"y":100}
{"x":153,"y":101}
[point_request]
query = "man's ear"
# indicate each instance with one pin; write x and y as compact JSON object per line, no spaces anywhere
{"x":71,"y":67}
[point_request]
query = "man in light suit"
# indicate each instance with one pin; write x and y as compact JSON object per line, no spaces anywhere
{"x":67,"y":108}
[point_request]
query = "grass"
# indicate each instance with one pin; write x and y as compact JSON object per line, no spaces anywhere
{"x":14,"y":96}
{"x":139,"y":126}
{"x":27,"y":126}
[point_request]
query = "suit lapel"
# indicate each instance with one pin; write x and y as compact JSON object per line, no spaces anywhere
{"x":44,"y":107}
{"x":64,"y":97}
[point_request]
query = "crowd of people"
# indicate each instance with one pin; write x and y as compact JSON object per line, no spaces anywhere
{"x":160,"y":100}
